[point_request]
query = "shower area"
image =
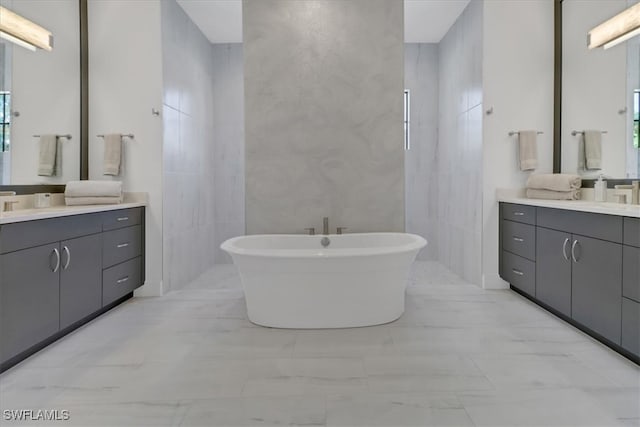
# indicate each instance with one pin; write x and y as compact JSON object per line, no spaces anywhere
{"x":205,"y":149}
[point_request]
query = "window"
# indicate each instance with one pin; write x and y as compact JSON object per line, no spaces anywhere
{"x":5,"y":121}
{"x":407,"y":119}
{"x":636,"y":118}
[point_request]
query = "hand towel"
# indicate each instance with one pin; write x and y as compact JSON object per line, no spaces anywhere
{"x":528,"y":149}
{"x":48,"y":153}
{"x":79,"y":201}
{"x":533,"y":193}
{"x":112,"y":153}
{"x":93,"y":189}
{"x":554,"y":181}
{"x":592,"y":149}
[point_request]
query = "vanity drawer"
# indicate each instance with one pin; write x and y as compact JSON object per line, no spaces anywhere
{"x":519,"y":239}
{"x":631,"y":326}
{"x":121,"y":279}
{"x":598,"y":226}
{"x":631,"y":272}
{"x":29,"y":234}
{"x":632,"y":232}
{"x":112,"y":220}
{"x":121,"y":245}
{"x":519,"y":213}
{"x":520,"y":272}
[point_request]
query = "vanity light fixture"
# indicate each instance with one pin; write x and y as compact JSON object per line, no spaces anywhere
{"x":616,"y":30}
{"x":23,"y":32}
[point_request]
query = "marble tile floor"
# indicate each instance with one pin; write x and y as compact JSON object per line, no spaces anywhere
{"x":459,"y":356}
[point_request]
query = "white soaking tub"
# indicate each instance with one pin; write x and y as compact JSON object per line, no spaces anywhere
{"x":292,"y":281}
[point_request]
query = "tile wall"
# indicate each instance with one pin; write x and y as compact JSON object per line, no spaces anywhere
{"x":188,"y":154}
{"x":459,"y":155}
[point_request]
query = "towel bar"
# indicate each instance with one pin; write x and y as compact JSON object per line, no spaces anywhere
{"x":67,"y":136}
{"x":518,"y":133}
{"x":581,"y":132}
{"x":124,"y":135}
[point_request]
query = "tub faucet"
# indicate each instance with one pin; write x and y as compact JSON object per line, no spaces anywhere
{"x":325,"y":225}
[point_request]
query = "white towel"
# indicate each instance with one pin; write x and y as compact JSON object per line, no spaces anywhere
{"x":593,"y":149}
{"x":554,"y":182}
{"x":528,"y":149}
{"x":533,"y":193}
{"x":48,"y":154}
{"x":79,"y":201}
{"x":112,"y":153}
{"x":93,"y":189}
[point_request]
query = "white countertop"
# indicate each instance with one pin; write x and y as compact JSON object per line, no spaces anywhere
{"x":606,"y":208}
{"x":132,"y":200}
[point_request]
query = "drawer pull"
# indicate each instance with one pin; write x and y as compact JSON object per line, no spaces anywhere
{"x":564,"y":249}
{"x":123,"y":218}
{"x":57,"y":254}
{"x":518,"y":213}
{"x":66,"y":264}
{"x":122,"y":245}
{"x":573,"y":251}
{"x":124,"y":279}
{"x":518,"y":272}
{"x":518,"y":239}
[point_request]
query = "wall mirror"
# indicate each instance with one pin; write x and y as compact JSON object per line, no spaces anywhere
{"x":600,"y":91}
{"x":41,"y":93}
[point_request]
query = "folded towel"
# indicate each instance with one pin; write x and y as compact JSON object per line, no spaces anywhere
{"x":593,"y":149}
{"x":554,"y":181}
{"x":112,"y":153}
{"x":533,"y":193}
{"x":93,"y":189}
{"x":528,"y":149}
{"x":48,"y":153}
{"x":78,"y":201}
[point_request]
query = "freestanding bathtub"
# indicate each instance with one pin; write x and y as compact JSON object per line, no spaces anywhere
{"x":292,"y":281}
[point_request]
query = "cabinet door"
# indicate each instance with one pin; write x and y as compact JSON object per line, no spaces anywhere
{"x":597,"y":286}
{"x":553,"y":269}
{"x":29,"y":298}
{"x":80,"y":278}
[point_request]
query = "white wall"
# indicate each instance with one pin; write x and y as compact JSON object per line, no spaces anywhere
{"x":228,"y":129}
{"x":188,"y":149}
{"x":594,"y":87}
{"x":323,"y":114}
{"x":46,"y":91}
{"x":125,"y":68}
{"x":459,"y":157}
{"x":518,"y":86}
{"x":421,"y":161}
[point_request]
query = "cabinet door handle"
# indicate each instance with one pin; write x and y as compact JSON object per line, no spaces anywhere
{"x":564,"y":249}
{"x":122,"y":245}
{"x":518,"y":239}
{"x":518,"y":213}
{"x":57,"y":252}
{"x":573,"y":251}
{"x":518,"y":272}
{"x":124,"y":279}
{"x":123,"y":218}
{"x":68,"y":252}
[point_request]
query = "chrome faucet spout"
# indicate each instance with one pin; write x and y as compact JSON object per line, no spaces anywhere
{"x":325,"y":225}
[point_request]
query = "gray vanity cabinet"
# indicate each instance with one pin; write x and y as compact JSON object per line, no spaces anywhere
{"x":52,"y":275}
{"x":597,"y":286}
{"x":586,"y":269}
{"x":80,"y":278}
{"x":29,"y":304}
{"x":553,"y":269}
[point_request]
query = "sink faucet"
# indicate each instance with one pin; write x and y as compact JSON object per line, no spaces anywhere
{"x":325,"y":225}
